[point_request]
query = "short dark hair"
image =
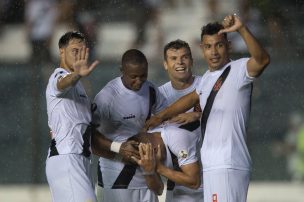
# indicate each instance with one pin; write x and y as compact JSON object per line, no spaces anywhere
{"x":212,"y":28}
{"x":65,"y":39}
{"x":176,"y":44}
{"x":133,"y":56}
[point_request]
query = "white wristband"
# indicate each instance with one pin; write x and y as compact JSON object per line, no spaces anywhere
{"x":115,"y":146}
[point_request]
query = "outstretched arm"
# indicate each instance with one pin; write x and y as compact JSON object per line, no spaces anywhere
{"x":81,"y":69}
{"x":102,"y":146}
{"x":182,"y":105}
{"x":185,"y":118}
{"x":259,"y":57}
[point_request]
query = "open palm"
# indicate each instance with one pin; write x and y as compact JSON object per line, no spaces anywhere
{"x":81,"y":66}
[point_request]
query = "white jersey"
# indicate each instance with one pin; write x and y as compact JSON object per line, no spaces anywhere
{"x":181,"y":148}
{"x":69,"y":115}
{"x":121,"y":113}
{"x":224,"y":144}
{"x":180,"y":143}
{"x":172,"y":95}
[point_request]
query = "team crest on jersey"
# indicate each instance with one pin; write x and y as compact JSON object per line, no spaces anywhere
{"x":182,"y":154}
{"x":218,"y":84}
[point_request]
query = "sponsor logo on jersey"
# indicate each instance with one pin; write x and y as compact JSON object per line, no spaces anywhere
{"x":182,"y":154}
{"x":131,"y":116}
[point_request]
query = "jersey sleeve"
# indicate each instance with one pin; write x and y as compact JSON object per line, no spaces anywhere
{"x":161,"y":102}
{"x":163,"y":89}
{"x":58,"y":74}
{"x":182,"y":143}
{"x":243,"y":75}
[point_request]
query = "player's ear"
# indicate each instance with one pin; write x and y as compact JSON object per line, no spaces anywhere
{"x":61,"y":52}
{"x":165,"y":65}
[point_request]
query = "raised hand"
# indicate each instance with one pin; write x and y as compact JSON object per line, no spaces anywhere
{"x":147,"y":158}
{"x":80,"y":65}
{"x":147,"y":163}
{"x":231,"y":23}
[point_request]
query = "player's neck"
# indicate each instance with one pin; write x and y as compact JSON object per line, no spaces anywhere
{"x":64,"y":66}
{"x":182,"y":84}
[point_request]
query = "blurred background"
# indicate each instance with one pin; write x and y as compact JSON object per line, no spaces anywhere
{"x":29,"y":33}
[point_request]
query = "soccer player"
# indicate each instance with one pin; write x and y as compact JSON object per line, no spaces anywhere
{"x":178,"y":63}
{"x":69,"y":117}
{"x":122,"y":107}
{"x":225,"y":97}
{"x":172,"y":142}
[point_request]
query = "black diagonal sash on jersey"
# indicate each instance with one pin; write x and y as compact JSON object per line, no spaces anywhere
{"x":152,"y":101}
{"x":217,"y":86}
{"x":125,"y":176}
{"x":53,"y":149}
{"x":170,"y":183}
{"x":99,"y":176}
{"x":86,"y":141}
{"x":85,"y":146}
{"x":190,"y":126}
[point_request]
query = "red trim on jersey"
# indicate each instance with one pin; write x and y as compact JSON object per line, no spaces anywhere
{"x":214,"y":198}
